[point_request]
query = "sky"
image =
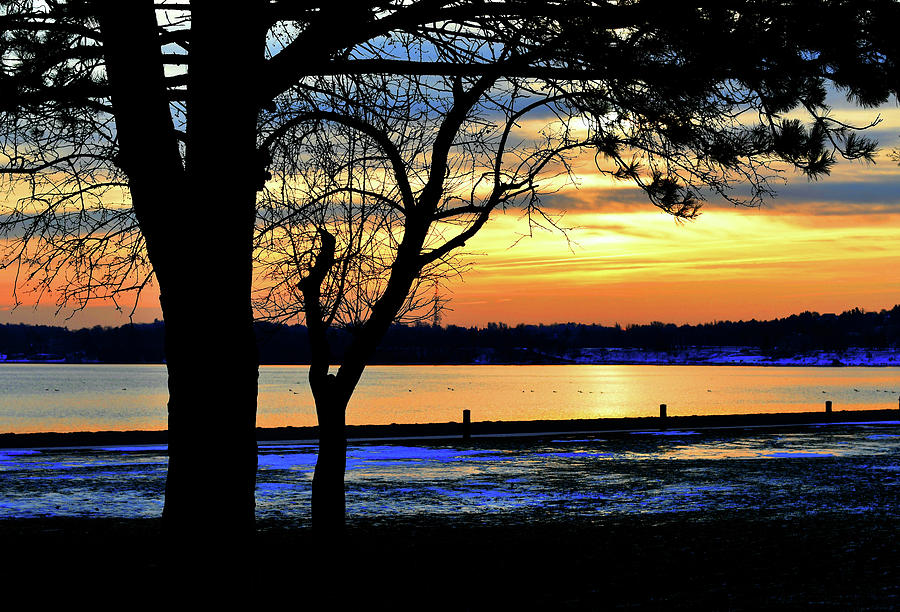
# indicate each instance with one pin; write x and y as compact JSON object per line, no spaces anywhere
{"x":824,"y":246}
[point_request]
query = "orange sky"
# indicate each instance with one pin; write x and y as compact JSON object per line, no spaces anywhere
{"x":641,"y":266}
{"x":826,"y":246}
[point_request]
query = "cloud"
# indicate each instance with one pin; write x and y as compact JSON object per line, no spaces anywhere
{"x":856,"y":196}
{"x":630,"y":199}
{"x":876,"y":195}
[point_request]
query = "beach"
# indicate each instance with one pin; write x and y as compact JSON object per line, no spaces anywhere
{"x":778,"y":517}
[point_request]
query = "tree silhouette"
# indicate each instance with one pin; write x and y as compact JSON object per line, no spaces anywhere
{"x":119,"y":122}
{"x":139,"y":136}
{"x":380,"y":179}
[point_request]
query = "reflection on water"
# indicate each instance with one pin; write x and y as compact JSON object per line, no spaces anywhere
{"x":58,"y":397}
{"x":837,"y":468}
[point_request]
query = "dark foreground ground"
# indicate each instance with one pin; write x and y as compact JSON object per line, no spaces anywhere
{"x":797,"y":518}
{"x":670,"y":561}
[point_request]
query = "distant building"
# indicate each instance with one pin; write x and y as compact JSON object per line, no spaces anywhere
{"x":46,"y":358}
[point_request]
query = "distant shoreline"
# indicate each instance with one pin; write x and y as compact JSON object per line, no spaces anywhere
{"x":809,"y":337}
{"x":687,"y":356}
{"x":480,"y":430}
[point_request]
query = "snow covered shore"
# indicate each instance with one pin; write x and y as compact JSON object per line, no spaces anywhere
{"x":738,"y":355}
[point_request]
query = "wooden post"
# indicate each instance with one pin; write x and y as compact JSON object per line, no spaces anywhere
{"x":662,"y":411}
{"x":828,"y":406}
{"x":467,"y":424}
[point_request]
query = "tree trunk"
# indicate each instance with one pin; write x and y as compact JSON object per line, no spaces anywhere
{"x":332,"y":393}
{"x":213,"y":369}
{"x":328,"y":495}
{"x":197,"y":216}
{"x":206,"y":294}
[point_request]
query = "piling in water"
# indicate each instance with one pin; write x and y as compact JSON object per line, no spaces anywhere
{"x":467,"y":424}
{"x":828,"y":406}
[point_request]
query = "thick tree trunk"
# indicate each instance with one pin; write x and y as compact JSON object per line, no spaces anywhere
{"x":206,"y":295}
{"x":213,"y":368}
{"x":197,"y":215}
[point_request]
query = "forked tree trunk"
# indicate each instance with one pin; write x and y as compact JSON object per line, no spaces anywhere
{"x":332,"y":392}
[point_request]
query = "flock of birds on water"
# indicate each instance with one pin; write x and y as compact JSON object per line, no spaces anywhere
{"x":290,"y":389}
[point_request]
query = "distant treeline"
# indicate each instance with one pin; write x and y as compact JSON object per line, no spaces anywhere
{"x":497,"y":343}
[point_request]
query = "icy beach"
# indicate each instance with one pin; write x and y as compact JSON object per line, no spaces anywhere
{"x":791,"y":518}
{"x":849,"y":469}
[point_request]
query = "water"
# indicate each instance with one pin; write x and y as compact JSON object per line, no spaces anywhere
{"x":848,"y":469}
{"x":62,"y":397}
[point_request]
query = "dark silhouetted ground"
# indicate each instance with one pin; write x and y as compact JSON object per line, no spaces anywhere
{"x":677,"y":561}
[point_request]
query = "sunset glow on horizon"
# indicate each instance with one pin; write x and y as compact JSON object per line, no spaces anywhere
{"x":825,"y":246}
{"x":641,"y":267}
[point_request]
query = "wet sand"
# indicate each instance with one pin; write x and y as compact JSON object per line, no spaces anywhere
{"x":479,"y":429}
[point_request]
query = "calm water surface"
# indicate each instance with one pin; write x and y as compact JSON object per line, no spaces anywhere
{"x":63,"y":397}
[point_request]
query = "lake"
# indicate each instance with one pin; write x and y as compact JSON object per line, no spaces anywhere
{"x":93,"y":397}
